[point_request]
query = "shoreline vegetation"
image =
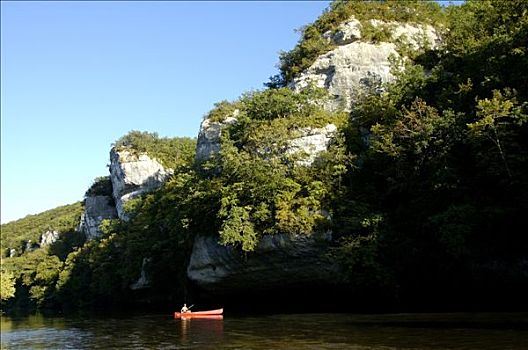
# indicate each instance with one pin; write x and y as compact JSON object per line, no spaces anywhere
{"x":424,"y":186}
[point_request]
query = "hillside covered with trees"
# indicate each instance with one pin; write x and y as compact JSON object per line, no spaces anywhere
{"x":424,"y":187}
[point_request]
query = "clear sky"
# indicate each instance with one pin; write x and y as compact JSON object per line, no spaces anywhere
{"x":75,"y":76}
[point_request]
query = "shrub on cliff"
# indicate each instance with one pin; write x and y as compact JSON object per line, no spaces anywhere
{"x":262,"y":187}
{"x":102,"y":186}
{"x":171,"y":152}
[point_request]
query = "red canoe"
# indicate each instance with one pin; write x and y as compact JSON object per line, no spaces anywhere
{"x":201,"y":317}
{"x":215,"y":314}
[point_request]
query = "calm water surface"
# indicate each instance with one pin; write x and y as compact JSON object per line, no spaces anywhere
{"x":316,"y":331}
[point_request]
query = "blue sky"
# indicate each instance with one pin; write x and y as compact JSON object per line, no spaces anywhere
{"x":75,"y":76}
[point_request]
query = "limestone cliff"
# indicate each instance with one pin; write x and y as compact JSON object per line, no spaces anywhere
{"x":49,"y":237}
{"x":143,"y":280}
{"x":133,"y":174}
{"x":356,"y":63}
{"x":209,"y":136}
{"x":311,"y":143}
{"x":96,"y":209}
{"x":130,"y":175}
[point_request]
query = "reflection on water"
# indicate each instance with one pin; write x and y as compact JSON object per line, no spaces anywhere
{"x":201,"y":331}
{"x":36,"y":331}
{"x":316,"y":331}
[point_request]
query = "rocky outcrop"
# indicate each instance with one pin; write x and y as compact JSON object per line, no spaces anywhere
{"x":355,"y":64}
{"x":346,"y":33}
{"x":283,"y":261}
{"x":414,"y":34}
{"x":279,"y":261}
{"x":418,"y":36}
{"x":30,"y":246}
{"x":133,"y":174}
{"x":143,"y":280}
{"x":96,"y":209}
{"x":48,"y":238}
{"x":347,"y":69}
{"x":208,"y":143}
{"x":311,"y":143}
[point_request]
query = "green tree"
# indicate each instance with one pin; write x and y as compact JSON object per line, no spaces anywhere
{"x":7,"y":285}
{"x":496,"y":119}
{"x":102,"y":186}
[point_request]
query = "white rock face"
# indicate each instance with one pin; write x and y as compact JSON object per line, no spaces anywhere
{"x":347,"y":69}
{"x":346,"y":33}
{"x":48,"y":237}
{"x":208,"y":143}
{"x":278,"y":261}
{"x":355,"y":65}
{"x":312,"y":142}
{"x":132,"y":175}
{"x":416,"y":35}
{"x":30,"y":246}
{"x":143,"y":280}
{"x":96,"y":209}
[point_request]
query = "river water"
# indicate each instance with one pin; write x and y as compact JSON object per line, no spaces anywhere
{"x":300,"y":332}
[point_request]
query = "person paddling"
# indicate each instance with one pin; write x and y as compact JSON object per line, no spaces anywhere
{"x":186,"y":309}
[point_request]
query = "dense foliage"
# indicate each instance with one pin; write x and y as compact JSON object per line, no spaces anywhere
{"x":102,"y":186}
{"x":171,"y":152}
{"x":16,"y":234}
{"x":265,"y":188}
{"x":31,"y":274}
{"x":434,"y":211}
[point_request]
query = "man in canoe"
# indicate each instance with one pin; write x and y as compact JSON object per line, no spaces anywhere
{"x":184,"y":309}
